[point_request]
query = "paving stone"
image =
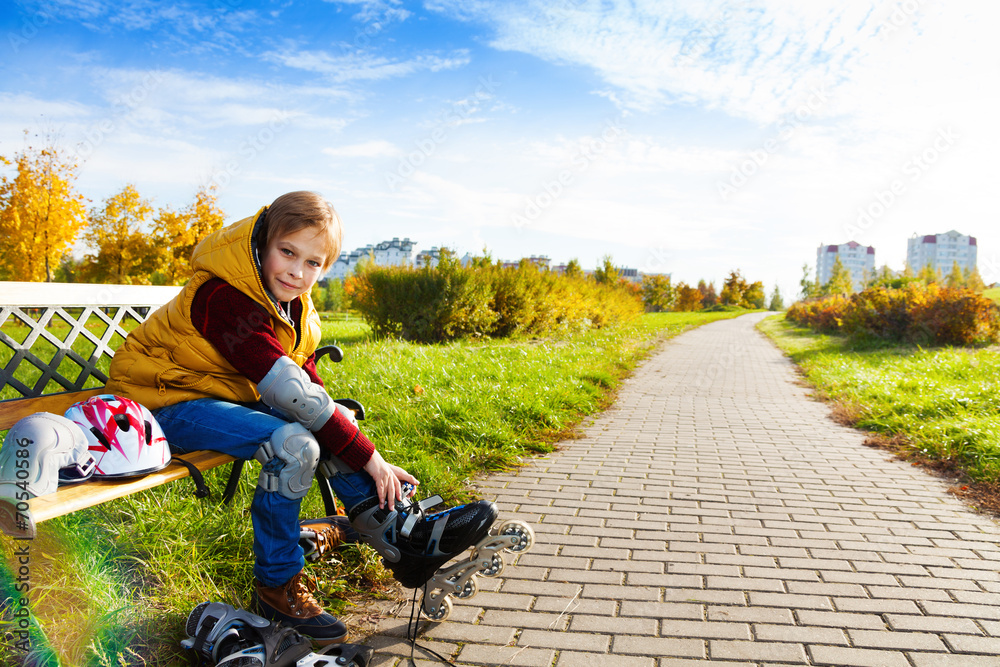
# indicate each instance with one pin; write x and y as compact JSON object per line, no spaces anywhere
{"x":575,"y":605}
{"x":753,"y":650}
{"x":658,"y":647}
{"x":522,"y":619}
{"x":856,"y":657}
{"x":478,"y":654}
{"x":616,"y":625}
{"x":464,"y":632}
{"x":799,"y":634}
{"x":577,"y":659}
{"x":565,"y":640}
{"x":704,"y":629}
{"x":751,"y":614}
{"x":907,"y":641}
{"x":971,"y":644}
{"x":935,"y":624}
{"x":839,"y":619}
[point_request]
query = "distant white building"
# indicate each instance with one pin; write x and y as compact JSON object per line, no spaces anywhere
{"x":386,"y":253}
{"x":428,"y":258}
{"x":941,"y":251}
{"x":858,"y":259}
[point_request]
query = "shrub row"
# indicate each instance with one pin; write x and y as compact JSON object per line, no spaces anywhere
{"x":451,"y":301}
{"x":914,"y":313}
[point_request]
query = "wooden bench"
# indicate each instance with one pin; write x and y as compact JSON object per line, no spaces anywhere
{"x":55,"y":338}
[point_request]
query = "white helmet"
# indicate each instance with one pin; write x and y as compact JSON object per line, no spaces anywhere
{"x":124,"y":436}
{"x":40,"y":452}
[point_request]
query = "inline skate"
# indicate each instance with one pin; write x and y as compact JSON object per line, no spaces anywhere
{"x":415,"y":543}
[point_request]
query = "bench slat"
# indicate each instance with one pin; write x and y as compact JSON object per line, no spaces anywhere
{"x":72,"y":498}
{"x":94,"y":492}
{"x":14,"y":410}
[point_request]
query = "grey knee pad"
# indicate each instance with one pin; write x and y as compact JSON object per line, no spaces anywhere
{"x":298,"y":450}
{"x":288,"y":388}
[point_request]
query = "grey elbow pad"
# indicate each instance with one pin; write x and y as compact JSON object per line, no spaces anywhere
{"x":288,"y":388}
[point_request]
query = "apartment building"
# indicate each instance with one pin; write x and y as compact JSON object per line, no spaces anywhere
{"x":941,"y":251}
{"x":386,"y":253}
{"x":858,"y":259}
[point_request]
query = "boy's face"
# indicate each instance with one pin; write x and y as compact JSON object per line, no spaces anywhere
{"x":293,"y":263}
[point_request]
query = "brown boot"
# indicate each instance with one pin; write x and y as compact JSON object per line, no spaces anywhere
{"x":320,"y":536}
{"x":294,"y":605}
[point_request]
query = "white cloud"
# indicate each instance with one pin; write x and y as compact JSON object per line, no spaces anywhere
{"x":145,"y":15}
{"x":359,"y":66}
{"x":749,"y":61}
{"x":367,"y":149}
{"x":377,"y":12}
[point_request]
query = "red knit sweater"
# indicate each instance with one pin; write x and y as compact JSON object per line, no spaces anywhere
{"x":233,"y":323}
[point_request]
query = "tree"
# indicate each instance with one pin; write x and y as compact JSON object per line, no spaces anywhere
{"x":884,"y":276}
{"x":40,"y":214}
{"x":573,"y":269}
{"x":657,"y":293}
{"x":810,"y":288}
{"x":753,"y":296}
{"x":929,"y":275}
{"x":688,"y":298}
{"x":606,"y":274}
{"x":124,"y":253}
{"x":708,"y":296}
{"x":777,"y":303}
{"x":68,"y":270}
{"x":178,"y":232}
{"x":328,"y":296}
{"x":840,"y":280}
{"x":974,"y":281}
{"x":955,"y":277}
{"x":733,"y":289}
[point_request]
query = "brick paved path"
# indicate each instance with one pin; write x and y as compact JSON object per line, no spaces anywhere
{"x":716,"y":514}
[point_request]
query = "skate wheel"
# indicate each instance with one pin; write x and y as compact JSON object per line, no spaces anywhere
{"x":467,"y":591}
{"x":521,"y":530}
{"x":439,"y":612}
{"x":495,"y":568}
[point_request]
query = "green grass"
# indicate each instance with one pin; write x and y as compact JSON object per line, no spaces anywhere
{"x":46,"y":351}
{"x":943,"y":402}
{"x":134,"y":568}
{"x":993,"y":293}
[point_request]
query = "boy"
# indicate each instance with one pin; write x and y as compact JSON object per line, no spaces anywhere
{"x":229,"y":365}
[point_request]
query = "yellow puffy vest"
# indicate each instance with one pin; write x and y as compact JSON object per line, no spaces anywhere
{"x":166,"y":360}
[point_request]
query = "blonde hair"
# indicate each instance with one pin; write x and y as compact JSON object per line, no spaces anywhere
{"x":297,"y":210}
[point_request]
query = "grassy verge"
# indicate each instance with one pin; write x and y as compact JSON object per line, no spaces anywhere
{"x":993,"y":293}
{"x":936,"y":406}
{"x":133,"y":569}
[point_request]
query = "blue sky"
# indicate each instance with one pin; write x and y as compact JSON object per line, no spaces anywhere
{"x":684,"y":137}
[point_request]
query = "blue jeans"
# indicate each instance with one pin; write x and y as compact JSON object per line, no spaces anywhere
{"x":238,"y":430}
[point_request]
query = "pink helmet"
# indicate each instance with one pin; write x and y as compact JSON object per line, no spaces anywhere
{"x":123,"y":435}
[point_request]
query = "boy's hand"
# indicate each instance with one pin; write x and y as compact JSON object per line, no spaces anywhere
{"x":387,"y":479}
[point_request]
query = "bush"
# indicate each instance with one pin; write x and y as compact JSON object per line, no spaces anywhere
{"x":913,"y":313}
{"x":451,"y":301}
{"x":824,"y":315}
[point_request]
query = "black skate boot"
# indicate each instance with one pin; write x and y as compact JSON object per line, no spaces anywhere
{"x":414,"y":543}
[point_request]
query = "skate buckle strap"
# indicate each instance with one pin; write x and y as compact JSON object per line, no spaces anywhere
{"x":408,"y":524}
{"x":434,"y":543}
{"x":428,"y":503}
{"x":415,"y":513}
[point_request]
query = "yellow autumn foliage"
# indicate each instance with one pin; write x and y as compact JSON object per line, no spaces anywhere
{"x":40,"y":214}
